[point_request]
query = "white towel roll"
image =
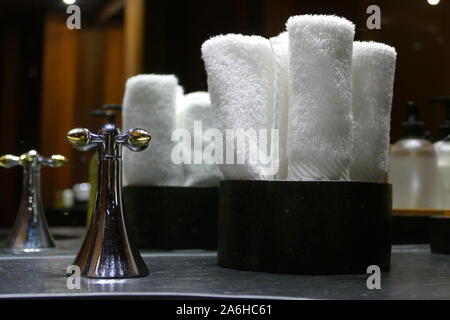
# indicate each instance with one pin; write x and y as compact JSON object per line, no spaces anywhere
{"x":280,"y":48}
{"x":320,"y":121}
{"x":196,"y":107}
{"x":373,"y":80}
{"x":240,"y":73}
{"x":179,"y":105}
{"x":150,"y":103}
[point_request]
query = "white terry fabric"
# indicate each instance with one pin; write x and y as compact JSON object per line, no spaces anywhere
{"x":320,"y":122}
{"x":240,"y":73}
{"x":179,"y":105}
{"x":280,"y":48}
{"x":196,"y":106}
{"x":373,"y":79}
{"x":150,"y":103}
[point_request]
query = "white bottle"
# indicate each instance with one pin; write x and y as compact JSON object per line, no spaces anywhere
{"x":443,"y":162}
{"x":442,"y":148}
{"x":413,"y":168}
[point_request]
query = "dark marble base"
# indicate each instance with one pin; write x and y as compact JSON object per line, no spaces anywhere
{"x":410,"y":229}
{"x":440,"y":234}
{"x":304,"y":227}
{"x":170,"y":218}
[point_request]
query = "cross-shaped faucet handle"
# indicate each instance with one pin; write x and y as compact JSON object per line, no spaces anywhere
{"x":32,"y":159}
{"x":108,"y":251}
{"x":135,"y":139}
{"x":30,"y":231}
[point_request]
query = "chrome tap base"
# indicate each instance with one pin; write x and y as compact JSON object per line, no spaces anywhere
{"x":107,"y":251}
{"x":30,"y":231}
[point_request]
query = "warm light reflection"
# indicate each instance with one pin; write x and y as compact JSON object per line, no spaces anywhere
{"x":73,"y":1}
{"x":433,"y":2}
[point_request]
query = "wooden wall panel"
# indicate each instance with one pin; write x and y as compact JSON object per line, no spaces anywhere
{"x":59,"y":94}
{"x":134,"y":31}
{"x":9,"y":114}
{"x":82,"y":70}
{"x":114,"y":75}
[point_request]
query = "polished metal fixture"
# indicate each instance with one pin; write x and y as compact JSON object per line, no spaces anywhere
{"x":30,"y":230}
{"x":107,"y":251}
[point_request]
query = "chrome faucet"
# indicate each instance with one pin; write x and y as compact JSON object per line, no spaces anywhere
{"x":107,"y":251}
{"x":30,"y":231}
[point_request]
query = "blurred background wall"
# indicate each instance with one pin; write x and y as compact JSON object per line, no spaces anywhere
{"x":52,"y":77}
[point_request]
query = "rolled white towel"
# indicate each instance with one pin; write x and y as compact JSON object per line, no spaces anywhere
{"x":240,"y":73}
{"x":196,"y":107}
{"x":150,"y":103}
{"x":319,"y":142}
{"x":280,"y":48}
{"x":179,"y":105}
{"x":373,"y":80}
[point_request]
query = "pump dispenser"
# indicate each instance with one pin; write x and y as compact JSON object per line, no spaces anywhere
{"x":413,"y":127}
{"x":442,"y":148}
{"x":444,"y":128}
{"x":413,"y":166}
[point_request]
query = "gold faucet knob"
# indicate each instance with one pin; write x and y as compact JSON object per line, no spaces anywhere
{"x":56,"y":161}
{"x":82,"y":139}
{"x":9,"y":160}
{"x":79,"y":138}
{"x":137,"y":139}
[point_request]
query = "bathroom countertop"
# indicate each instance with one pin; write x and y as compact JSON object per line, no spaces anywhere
{"x":415,"y":274}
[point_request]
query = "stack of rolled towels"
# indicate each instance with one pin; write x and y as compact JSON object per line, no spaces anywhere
{"x":158,"y":104}
{"x":322,"y":101}
{"x":308,"y":104}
